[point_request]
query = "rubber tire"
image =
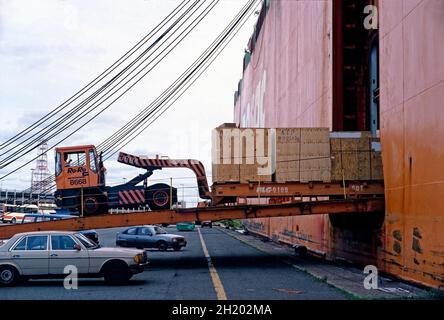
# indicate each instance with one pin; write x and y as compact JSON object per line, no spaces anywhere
{"x":177,"y":248}
{"x":162,"y":246}
{"x":15,"y":276}
{"x":117,"y":273}
{"x":101,"y":207}
{"x":13,"y":220}
{"x":151,"y":191}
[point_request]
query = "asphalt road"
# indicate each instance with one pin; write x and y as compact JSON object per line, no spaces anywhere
{"x":240,"y":272}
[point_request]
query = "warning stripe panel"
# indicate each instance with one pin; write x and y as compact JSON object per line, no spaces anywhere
{"x":129,"y":197}
{"x":135,"y":196}
{"x":141,"y":195}
{"x":121,"y":196}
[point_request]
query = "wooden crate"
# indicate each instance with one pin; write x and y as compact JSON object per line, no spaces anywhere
{"x":287,"y":168}
{"x":315,"y":163}
{"x":224,"y":168}
{"x":249,"y":147}
{"x":222,"y":173}
{"x":351,"y":156}
{"x":298,"y":155}
{"x":288,"y":144}
{"x":250,"y":172}
{"x":302,"y":154}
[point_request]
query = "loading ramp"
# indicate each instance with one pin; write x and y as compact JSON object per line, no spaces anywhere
{"x":344,"y":206}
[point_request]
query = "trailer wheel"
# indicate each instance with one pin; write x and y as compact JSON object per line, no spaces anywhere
{"x":159,"y":196}
{"x":93,"y":205}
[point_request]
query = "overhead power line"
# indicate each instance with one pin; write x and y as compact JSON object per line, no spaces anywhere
{"x":179,"y":86}
{"x":107,"y":71}
{"x":134,"y":127}
{"x":179,"y":39}
{"x":66,"y":121}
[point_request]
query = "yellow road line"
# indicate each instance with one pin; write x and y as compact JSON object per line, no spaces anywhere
{"x":218,"y":287}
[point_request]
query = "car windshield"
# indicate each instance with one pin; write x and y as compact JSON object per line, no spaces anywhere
{"x":86,"y":242}
{"x":159,"y":230}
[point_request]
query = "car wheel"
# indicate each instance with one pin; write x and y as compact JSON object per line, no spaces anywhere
{"x":117,"y":273}
{"x":8,"y":276}
{"x":162,"y":246}
{"x":177,"y":248}
{"x":13,"y":220}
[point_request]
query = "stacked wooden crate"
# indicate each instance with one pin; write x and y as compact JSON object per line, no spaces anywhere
{"x":296,"y":154}
{"x":224,"y":168}
{"x":355,"y":156}
{"x":253,"y":167}
{"x":302,"y":154}
{"x":231,"y":160}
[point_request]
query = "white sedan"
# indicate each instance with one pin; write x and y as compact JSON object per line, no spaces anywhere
{"x":45,"y":254}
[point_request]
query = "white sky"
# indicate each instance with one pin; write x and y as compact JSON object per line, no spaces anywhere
{"x":49,"y":49}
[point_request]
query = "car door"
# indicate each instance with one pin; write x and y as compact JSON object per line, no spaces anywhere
{"x":131,"y":237}
{"x":145,"y":238}
{"x":63,"y":253}
{"x":31,"y":254}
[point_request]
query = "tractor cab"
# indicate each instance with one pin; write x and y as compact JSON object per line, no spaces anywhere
{"x":80,"y":179}
{"x":78,"y":167}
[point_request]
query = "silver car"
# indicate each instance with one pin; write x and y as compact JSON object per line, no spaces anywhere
{"x":45,"y":254}
{"x":150,"y":236}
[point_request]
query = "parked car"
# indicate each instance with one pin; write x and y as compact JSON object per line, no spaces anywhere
{"x":206,"y":224}
{"x":45,"y":254}
{"x":150,"y":236}
{"x":185,"y":226}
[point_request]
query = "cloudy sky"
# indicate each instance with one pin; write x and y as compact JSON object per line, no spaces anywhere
{"x":49,"y":49}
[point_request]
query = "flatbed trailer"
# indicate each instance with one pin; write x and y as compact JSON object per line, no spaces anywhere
{"x":216,"y":213}
{"x":232,"y":192}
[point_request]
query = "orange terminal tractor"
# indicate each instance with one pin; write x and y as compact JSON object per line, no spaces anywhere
{"x":81,"y":186}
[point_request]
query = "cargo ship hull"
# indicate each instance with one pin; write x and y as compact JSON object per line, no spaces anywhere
{"x":310,"y":64}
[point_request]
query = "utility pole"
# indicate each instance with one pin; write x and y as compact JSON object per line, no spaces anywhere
{"x":183,"y":196}
{"x":171,"y":193}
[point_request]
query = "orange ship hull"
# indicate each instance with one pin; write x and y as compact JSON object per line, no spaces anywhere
{"x":292,"y":79}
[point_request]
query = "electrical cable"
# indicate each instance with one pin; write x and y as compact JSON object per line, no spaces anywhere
{"x":212,"y":58}
{"x":86,"y":88}
{"x":248,"y":6}
{"x":85,"y":113}
{"x":101,"y":111}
